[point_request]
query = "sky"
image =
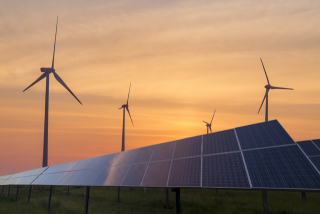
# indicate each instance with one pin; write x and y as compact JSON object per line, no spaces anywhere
{"x":183,"y":58}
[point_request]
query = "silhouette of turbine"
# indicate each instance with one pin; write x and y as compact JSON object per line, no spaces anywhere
{"x":46,"y":73}
{"x":209,"y":124}
{"x":125,"y":107}
{"x":268,"y":87}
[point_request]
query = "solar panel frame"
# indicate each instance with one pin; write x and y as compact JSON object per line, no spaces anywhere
{"x":316,"y":142}
{"x":309,"y":148}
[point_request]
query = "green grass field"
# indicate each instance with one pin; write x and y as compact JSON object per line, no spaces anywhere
{"x":103,"y":200}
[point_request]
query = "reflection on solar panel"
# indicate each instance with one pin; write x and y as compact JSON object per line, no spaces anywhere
{"x":257,"y":156}
{"x":219,"y":142}
{"x":224,"y":170}
{"x":309,"y":148}
{"x":284,"y":167}
{"x":263,"y":135}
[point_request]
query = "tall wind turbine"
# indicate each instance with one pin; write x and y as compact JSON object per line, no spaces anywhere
{"x":46,"y":73}
{"x":209,"y":124}
{"x":125,"y":107}
{"x":268,"y":87}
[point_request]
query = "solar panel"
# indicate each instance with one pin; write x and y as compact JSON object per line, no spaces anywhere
{"x":317,"y":142}
{"x":116,"y":175}
{"x":284,"y":167}
{"x":20,"y":180}
{"x":185,"y":172}
{"x":224,"y":170}
{"x":163,"y":151}
{"x":263,"y":135}
{"x":316,"y":161}
{"x":309,"y":148}
{"x":122,"y":158}
{"x":157,"y":174}
{"x":82,"y":177}
{"x":134,"y":175}
{"x":101,"y":180}
{"x":188,"y":147}
{"x":224,"y":141}
{"x":144,"y":154}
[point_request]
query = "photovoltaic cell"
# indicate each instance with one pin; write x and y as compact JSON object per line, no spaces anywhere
{"x":122,"y":158}
{"x":224,"y":141}
{"x":224,"y":170}
{"x":317,"y":142}
{"x":157,"y":174}
{"x":284,"y":167}
{"x":309,"y":148}
{"x":163,"y":151}
{"x":185,"y":172}
{"x":101,"y":180}
{"x":316,"y":161}
{"x":134,"y":175}
{"x":263,"y":135}
{"x":83,"y":177}
{"x":188,"y":147}
{"x":144,"y":154}
{"x":116,"y":175}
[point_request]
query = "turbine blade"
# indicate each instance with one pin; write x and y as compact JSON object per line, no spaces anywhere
{"x":64,"y":85}
{"x":272,"y":87}
{"x":128,"y":93}
{"x":120,"y":108}
{"x":40,"y":78}
{"x":129,"y":115}
{"x":213,"y":115}
{"x":206,"y":122}
{"x":265,"y":71}
{"x":262,"y":102}
{"x":54,"y":47}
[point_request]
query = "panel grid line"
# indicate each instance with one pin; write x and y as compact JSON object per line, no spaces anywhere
{"x":171,"y":162}
{"x":308,"y":158}
{"x":314,"y":144}
{"x":38,"y":175}
{"x":129,"y":166}
{"x":147,"y":166}
{"x":244,"y":161}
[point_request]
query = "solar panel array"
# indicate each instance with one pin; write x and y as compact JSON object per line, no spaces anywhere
{"x":259,"y":156}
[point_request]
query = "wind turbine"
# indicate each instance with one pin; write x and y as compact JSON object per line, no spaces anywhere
{"x":125,"y":107}
{"x":209,"y":124}
{"x":268,"y":87}
{"x":46,"y":73}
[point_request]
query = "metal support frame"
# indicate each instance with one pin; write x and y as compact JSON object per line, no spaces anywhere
{"x":49,"y":202}
{"x":87,"y":200}
{"x":17,"y":193}
{"x":8,"y":191}
{"x":178,"y":205}
{"x":118,"y":201}
{"x":265,"y":202}
{"x":304,"y":195}
{"x":29,"y":193}
{"x":167,"y":198}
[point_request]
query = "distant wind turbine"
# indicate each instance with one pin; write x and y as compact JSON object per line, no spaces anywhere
{"x":268,"y":87}
{"x":209,"y":124}
{"x":46,"y":72}
{"x":125,"y":107}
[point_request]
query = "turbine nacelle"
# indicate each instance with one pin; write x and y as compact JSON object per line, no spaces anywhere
{"x":268,"y":86}
{"x":47,"y":70}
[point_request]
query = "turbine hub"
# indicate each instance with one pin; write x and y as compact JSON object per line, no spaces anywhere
{"x":268,"y":86}
{"x":48,"y":70}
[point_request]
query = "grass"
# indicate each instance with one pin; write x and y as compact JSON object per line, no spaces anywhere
{"x":103,"y":200}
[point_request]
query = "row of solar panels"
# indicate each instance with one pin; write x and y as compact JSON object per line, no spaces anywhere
{"x":259,"y":156}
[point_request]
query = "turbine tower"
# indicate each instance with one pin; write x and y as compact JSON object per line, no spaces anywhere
{"x":125,"y":107}
{"x":268,"y":87}
{"x":209,"y":124}
{"x":46,"y":73}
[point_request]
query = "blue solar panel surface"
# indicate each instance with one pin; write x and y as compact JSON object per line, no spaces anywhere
{"x":188,"y":147}
{"x":263,"y":135}
{"x":317,"y":142}
{"x":309,"y":148}
{"x":134,"y":175}
{"x":144,"y":154}
{"x":185,"y":172}
{"x":284,"y":167}
{"x":224,"y":141}
{"x":224,"y":170}
{"x":316,"y":161}
{"x":157,"y":174}
{"x":163,"y":151}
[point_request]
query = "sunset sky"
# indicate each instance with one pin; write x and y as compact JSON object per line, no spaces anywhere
{"x":183,"y":58}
